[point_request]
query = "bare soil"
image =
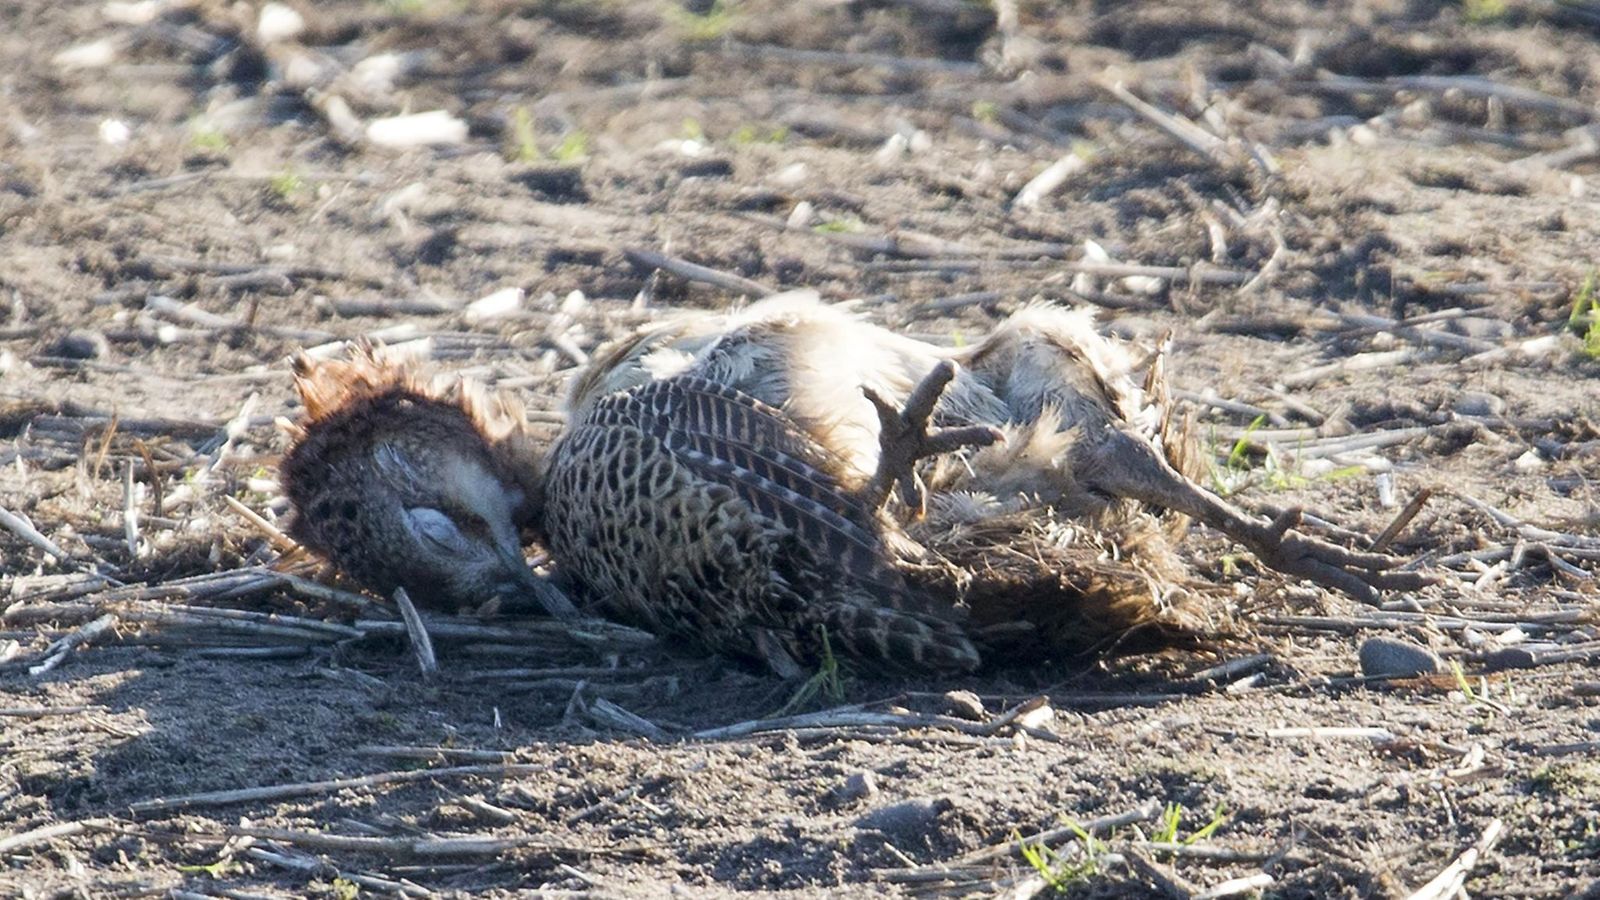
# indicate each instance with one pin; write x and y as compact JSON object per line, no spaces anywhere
{"x":1426,"y":163}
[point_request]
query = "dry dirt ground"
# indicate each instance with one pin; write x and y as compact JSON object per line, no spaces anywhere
{"x":1367,"y":227}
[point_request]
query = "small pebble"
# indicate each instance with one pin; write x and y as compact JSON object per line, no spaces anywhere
{"x":964,"y":704}
{"x":1481,"y":327}
{"x":1479,"y":403}
{"x":433,"y":128}
{"x":893,"y":148}
{"x":858,"y":786}
{"x":1039,"y":717}
{"x":132,"y":12}
{"x":114,"y":132}
{"x":802,"y":215}
{"x":93,"y":55}
{"x":501,"y":303}
{"x":1390,"y":658}
{"x":278,"y":22}
{"x":792,"y":175}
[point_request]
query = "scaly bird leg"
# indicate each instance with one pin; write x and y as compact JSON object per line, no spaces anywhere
{"x":1122,"y":465}
{"x":904,"y":438}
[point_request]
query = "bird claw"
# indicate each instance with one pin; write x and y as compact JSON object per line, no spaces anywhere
{"x":1361,"y":574}
{"x":905,"y":438}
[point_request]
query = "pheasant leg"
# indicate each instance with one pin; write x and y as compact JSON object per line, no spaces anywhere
{"x":1121,"y":465}
{"x":904,"y":439}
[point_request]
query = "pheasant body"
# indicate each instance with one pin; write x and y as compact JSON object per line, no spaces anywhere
{"x":691,"y":509}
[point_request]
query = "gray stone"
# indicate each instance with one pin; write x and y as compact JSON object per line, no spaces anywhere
{"x":858,"y":786}
{"x":1481,"y":327}
{"x":1478,"y":403}
{"x":1383,"y":657}
{"x":907,"y":820}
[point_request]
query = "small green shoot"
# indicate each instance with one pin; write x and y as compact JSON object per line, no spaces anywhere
{"x":1483,"y":12}
{"x":523,"y":148}
{"x":707,"y":26}
{"x":1172,"y":819}
{"x":692,"y":130}
{"x":828,"y":681}
{"x":219,"y":869}
{"x":207,"y":138}
{"x":1234,"y":472}
{"x":573,"y":148}
{"x":1280,"y":478}
{"x":847,"y":225}
{"x":1573,"y":780}
{"x":1584,"y":846}
{"x":1462,"y":684}
{"x":1344,"y":472}
{"x":345,"y":889}
{"x":1585,"y":316}
{"x":1059,"y":870}
{"x":752,"y":134}
{"x":1240,"y":453}
{"x":286,"y":184}
{"x":1237,"y":471}
{"x":986,"y":111}
{"x":1477,"y":697}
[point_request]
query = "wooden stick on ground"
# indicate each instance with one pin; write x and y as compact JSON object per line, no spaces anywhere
{"x":1449,"y":882}
{"x":56,"y":653}
{"x":738,"y":284}
{"x":1176,"y":127}
{"x":46,"y":833}
{"x":421,"y":644}
{"x":311,"y":865}
{"x":307,"y":788}
{"x":22,"y":528}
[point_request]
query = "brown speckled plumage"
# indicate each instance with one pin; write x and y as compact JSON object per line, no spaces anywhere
{"x":691,"y":509}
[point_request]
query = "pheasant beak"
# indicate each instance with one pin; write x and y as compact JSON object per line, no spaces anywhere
{"x":524,"y":587}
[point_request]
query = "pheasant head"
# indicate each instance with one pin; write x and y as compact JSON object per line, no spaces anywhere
{"x":403,"y":484}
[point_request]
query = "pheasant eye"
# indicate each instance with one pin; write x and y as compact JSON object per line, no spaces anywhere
{"x":472,"y":525}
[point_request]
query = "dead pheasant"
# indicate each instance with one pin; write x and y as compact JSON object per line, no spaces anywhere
{"x":680,"y":505}
{"x":720,"y":477}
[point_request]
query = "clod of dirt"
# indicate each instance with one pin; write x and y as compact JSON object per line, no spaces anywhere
{"x":80,"y":345}
{"x":708,"y":168}
{"x":557,"y":184}
{"x":905,"y":821}
{"x":1390,"y":658}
